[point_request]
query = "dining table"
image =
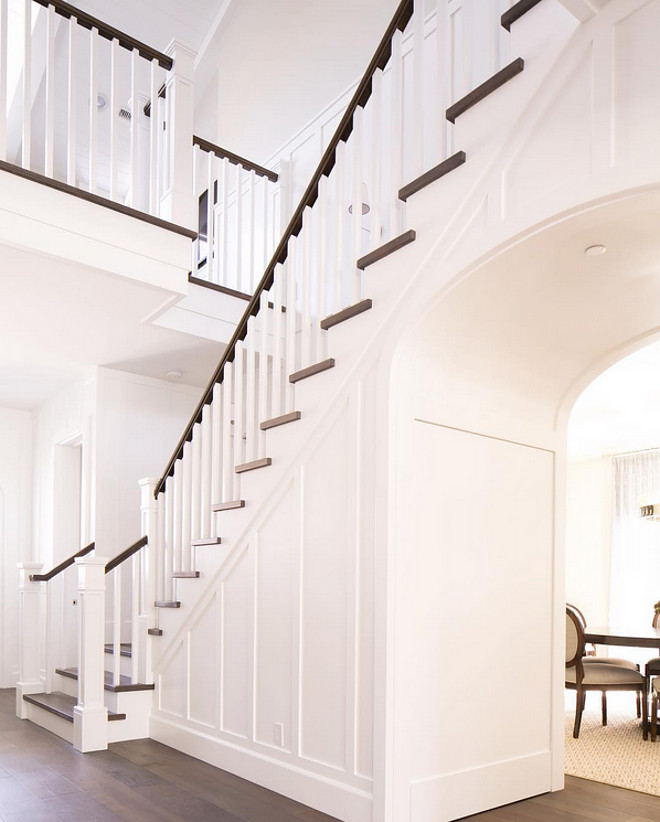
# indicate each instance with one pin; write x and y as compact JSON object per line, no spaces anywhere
{"x":640,"y":636}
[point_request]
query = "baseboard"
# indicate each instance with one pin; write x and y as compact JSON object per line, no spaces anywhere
{"x":342,"y":801}
{"x":452,"y":796}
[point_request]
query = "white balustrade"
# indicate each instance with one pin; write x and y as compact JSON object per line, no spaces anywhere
{"x":29,"y":634}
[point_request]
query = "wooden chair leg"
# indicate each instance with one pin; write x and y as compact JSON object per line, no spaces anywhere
{"x":645,"y":718}
{"x":654,"y":715}
{"x":639,"y":704}
{"x":603,"y":703}
{"x":579,"y":707}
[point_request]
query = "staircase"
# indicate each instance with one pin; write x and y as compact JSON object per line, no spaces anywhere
{"x":255,"y":617}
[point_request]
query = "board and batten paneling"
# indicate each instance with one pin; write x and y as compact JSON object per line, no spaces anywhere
{"x":276,"y":659}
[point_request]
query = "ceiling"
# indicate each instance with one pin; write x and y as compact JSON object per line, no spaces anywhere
{"x":58,"y":320}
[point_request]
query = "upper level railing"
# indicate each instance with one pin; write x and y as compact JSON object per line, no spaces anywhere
{"x":327,"y":163}
{"x":72,"y":96}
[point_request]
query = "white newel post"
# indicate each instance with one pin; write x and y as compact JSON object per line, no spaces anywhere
{"x":90,"y":716}
{"x":147,"y":618}
{"x":177,"y":203}
{"x":28,"y":627}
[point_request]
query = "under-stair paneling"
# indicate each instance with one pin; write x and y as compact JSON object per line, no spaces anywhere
{"x":237,"y":646}
{"x":328,"y":541}
{"x":204,"y":639}
{"x":276,"y":612}
{"x":172,"y":683}
{"x":636,"y":68}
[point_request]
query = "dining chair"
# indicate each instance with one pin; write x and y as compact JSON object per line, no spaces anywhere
{"x":591,"y":656}
{"x":597,"y":675}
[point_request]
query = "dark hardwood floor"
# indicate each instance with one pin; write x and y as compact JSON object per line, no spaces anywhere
{"x":43,"y":779}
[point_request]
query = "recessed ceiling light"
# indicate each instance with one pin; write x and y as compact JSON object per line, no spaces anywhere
{"x":595,"y":250}
{"x":174,"y":375}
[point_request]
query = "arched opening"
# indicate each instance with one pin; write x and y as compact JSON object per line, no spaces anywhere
{"x":482,"y":391}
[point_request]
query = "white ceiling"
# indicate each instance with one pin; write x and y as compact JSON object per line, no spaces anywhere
{"x":58,"y":320}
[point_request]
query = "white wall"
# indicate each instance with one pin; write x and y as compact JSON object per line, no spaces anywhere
{"x":15,"y":529}
{"x":589,"y":499}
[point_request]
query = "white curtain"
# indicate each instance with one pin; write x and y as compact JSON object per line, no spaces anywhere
{"x":635,"y":558}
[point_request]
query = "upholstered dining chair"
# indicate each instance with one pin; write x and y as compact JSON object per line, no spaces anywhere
{"x":596,"y":675}
{"x":591,"y":656}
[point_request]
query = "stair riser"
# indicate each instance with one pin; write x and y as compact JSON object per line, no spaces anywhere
{"x":55,"y":724}
{"x":137,"y":707}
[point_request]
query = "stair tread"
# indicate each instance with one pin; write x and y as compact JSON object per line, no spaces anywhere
{"x":317,"y":368}
{"x":516,"y":12}
{"x":432,"y":175}
{"x":283,"y":419}
{"x":154,"y":632}
{"x":167,"y":603}
{"x":386,"y":249}
{"x":346,"y":314}
{"x":482,"y":91}
{"x":62,"y":705}
{"x":228,"y":506}
{"x":125,"y":682}
{"x":253,"y":465}
{"x":185,"y":575}
{"x":206,"y":541}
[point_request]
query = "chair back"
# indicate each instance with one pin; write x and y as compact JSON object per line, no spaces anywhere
{"x":575,"y":640}
{"x":578,"y":613}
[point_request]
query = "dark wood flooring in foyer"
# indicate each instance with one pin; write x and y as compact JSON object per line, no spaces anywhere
{"x":43,"y":779}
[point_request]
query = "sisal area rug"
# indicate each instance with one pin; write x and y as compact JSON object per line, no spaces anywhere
{"x":615,"y":754}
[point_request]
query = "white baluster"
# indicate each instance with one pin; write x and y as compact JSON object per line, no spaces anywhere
{"x":197,"y":176}
{"x":396,"y":159}
{"x":323,"y":242}
{"x":338,"y":174}
{"x":114,"y":105}
{"x":279,"y":330}
{"x":27,"y":83}
{"x":93,"y":110}
{"x":376,"y":108}
{"x":135,"y":615}
{"x":356,"y":205}
{"x":262,"y":319}
{"x":306,"y":356}
{"x":227,"y":434}
{"x":186,"y":525}
{"x":116,"y":626}
{"x":291,"y":318}
{"x":50,"y":91}
{"x":196,"y":455}
{"x":222,"y":276}
{"x":90,"y":716}
{"x":416,"y":149}
{"x":160,"y":554}
{"x":150,"y":518}
{"x":209,"y":214}
{"x":239,"y":410}
{"x":168,"y":565}
{"x":4,"y":23}
{"x":216,"y":457}
{"x":251,"y":421}
{"x":266,"y":221}
{"x":71,"y":107}
{"x":153,"y":139}
{"x":252,"y":236}
{"x":135,"y":118}
{"x":178,"y":512}
{"x":207,"y":468}
{"x":444,"y":76}
{"x":240,"y":285}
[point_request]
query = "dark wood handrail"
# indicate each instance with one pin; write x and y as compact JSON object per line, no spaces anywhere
{"x":63,"y":565}
{"x":108,"y":32}
{"x":362,"y":94}
{"x":235,"y":159}
{"x":133,"y":549}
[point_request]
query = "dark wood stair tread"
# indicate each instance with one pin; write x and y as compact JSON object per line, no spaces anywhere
{"x":281,"y":420}
{"x":432,"y":175}
{"x":185,"y":575}
{"x":516,"y":12}
{"x":264,"y":462}
{"x":482,"y":91}
{"x":154,"y":632}
{"x":386,"y":249}
{"x":125,"y":682}
{"x":228,"y":506}
{"x":206,"y":541}
{"x":346,"y":314}
{"x":167,"y":603}
{"x":124,"y":648}
{"x":62,"y":705}
{"x":317,"y":368}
